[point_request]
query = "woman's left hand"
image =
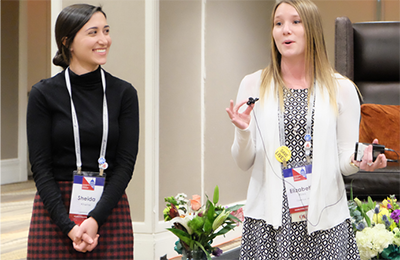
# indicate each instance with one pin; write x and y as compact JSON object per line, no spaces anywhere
{"x":89,"y":227}
{"x":367,"y":164}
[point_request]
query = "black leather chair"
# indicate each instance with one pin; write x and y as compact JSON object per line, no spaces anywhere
{"x":369,"y":54}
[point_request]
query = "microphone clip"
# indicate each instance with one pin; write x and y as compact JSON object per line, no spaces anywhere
{"x":252,"y":100}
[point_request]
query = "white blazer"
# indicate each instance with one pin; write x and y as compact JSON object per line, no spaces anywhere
{"x":334,"y":139}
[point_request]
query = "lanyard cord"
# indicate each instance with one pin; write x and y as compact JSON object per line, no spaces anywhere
{"x":307,"y":136}
{"x":102,"y":162}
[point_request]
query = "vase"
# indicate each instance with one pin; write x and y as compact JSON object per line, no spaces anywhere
{"x":193,"y":255}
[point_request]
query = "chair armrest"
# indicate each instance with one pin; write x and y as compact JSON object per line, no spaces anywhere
{"x":344,"y":47}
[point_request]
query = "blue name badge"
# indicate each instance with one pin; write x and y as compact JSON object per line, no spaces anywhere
{"x":298,"y":186}
{"x":87,"y":189}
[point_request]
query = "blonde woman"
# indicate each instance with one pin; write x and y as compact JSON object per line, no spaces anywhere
{"x":298,"y":139}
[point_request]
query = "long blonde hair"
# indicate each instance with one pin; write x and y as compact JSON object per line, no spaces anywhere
{"x":317,"y":63}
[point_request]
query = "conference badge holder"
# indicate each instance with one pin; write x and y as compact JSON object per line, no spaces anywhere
{"x":87,"y":189}
{"x":298,"y":186}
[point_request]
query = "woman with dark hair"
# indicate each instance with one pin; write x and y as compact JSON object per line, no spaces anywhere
{"x":83,"y":133}
{"x":298,"y":140}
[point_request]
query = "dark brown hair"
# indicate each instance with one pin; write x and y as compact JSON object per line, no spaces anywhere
{"x":71,"y":19}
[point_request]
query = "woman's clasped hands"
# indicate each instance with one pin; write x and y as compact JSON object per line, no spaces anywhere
{"x":84,"y":237}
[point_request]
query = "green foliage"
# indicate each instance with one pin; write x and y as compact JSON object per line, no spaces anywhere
{"x":358,"y":210}
{"x":203,"y":225}
{"x":391,"y":252}
{"x":171,"y":200}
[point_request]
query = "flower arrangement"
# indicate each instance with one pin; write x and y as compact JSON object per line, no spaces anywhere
{"x":376,"y":228}
{"x":196,"y":226}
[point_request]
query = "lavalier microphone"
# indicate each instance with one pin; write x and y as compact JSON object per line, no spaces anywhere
{"x":252,"y":100}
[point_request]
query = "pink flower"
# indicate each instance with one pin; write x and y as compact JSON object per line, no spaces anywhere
{"x":195,"y":202}
{"x":239,"y":214}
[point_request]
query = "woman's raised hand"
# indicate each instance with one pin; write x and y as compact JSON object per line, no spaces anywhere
{"x":240,"y":120}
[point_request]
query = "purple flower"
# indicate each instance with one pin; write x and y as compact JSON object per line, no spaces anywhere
{"x":217,"y":252}
{"x":396,"y":215}
{"x":387,"y":223}
{"x":360,"y":226}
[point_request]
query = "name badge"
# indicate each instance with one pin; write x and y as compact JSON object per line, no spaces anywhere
{"x":298,"y":186}
{"x":87,"y":189}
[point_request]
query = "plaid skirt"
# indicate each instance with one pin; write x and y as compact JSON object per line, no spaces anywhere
{"x":46,"y":240}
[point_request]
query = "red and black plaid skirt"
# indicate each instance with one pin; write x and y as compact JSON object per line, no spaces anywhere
{"x":46,"y":240}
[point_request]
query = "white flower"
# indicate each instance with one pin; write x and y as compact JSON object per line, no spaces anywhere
{"x":181,"y":195}
{"x":183,"y":220}
{"x":181,"y":199}
{"x":370,"y":214}
{"x":372,"y":240}
{"x":396,"y":238}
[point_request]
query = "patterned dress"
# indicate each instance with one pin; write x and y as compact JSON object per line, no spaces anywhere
{"x":291,"y":240}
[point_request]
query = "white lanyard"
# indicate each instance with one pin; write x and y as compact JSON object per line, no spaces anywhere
{"x":307,"y":136}
{"x":102,"y":162}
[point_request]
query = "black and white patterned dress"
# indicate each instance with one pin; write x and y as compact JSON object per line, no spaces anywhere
{"x":291,"y":241}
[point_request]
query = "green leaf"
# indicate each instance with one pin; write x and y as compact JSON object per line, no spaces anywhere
{"x":391,"y":252}
{"x":211,"y":211}
{"x":216,"y":195}
{"x":182,"y":235}
{"x":231,"y":217}
{"x":196,"y":224}
{"x":207,"y":226}
{"x":204,"y":250}
{"x":351,"y":190}
{"x":223,"y":231}
{"x":367,"y":219}
{"x":371,"y":204}
{"x":235,"y":207}
{"x":171,"y":200}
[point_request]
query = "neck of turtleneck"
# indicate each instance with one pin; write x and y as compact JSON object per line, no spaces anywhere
{"x":90,"y":79}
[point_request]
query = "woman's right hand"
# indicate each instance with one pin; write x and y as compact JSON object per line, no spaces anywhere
{"x":82,"y":242}
{"x":240,"y":120}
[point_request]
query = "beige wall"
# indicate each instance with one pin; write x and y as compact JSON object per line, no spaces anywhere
{"x":9,"y":79}
{"x":180,"y":112}
{"x":391,"y":10}
{"x":236,"y":43}
{"x":39,"y":38}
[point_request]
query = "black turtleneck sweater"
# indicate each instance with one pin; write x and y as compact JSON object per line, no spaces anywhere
{"x":51,"y":140}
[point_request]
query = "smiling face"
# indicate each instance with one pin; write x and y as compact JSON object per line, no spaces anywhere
{"x":91,"y":45}
{"x":288,"y":32}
